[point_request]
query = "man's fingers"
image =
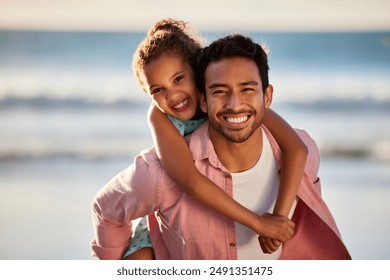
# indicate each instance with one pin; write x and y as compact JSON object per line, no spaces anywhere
{"x":276,"y":243}
{"x":263,"y":245}
{"x":269,"y":245}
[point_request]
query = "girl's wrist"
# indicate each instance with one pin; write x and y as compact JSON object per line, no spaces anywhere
{"x":258,"y":225}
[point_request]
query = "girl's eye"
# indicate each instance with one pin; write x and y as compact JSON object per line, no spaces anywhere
{"x":179,"y":78}
{"x":156,"y":90}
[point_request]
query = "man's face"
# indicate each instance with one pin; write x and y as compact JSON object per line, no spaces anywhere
{"x":235,"y":101}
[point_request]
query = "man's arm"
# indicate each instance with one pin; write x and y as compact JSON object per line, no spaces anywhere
{"x":111,"y":239}
{"x":128,"y":196}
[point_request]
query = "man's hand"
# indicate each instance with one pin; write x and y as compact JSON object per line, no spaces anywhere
{"x":269,"y":245}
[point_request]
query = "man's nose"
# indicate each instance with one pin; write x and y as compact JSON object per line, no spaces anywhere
{"x":234,"y":101}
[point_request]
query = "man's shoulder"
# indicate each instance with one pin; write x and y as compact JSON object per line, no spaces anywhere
{"x":148,"y":155}
{"x":146,"y":162}
{"x":313,"y":155}
{"x":142,"y":173}
{"x":303,"y":134}
{"x":144,"y":168}
{"x":311,"y":145}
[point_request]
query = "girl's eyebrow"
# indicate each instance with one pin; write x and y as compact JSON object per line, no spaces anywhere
{"x":177,"y":73}
{"x":173,"y":76}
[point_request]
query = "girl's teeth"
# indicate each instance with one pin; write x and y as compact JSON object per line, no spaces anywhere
{"x":237,"y":120}
{"x":181,"y":105}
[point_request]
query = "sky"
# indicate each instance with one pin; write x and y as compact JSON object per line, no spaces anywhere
{"x":205,"y":15}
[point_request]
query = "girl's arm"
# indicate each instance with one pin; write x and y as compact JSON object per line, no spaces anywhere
{"x":177,"y":161}
{"x":293,"y":161}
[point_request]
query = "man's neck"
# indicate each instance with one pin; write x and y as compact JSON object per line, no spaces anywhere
{"x":238,"y":157}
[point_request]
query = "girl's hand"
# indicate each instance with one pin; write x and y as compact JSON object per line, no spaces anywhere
{"x":275,"y":226}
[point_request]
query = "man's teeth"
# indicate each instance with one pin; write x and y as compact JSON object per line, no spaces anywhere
{"x":237,"y":120}
{"x":181,"y":105}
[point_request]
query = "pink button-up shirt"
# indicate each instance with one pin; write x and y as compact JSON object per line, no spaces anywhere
{"x":184,"y":229}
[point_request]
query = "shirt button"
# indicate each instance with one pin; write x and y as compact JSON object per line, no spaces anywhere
{"x":232,"y":244}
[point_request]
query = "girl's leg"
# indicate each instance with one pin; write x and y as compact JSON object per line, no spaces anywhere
{"x":140,"y":247}
{"x":146,"y":253}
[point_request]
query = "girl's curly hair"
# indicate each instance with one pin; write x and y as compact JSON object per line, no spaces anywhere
{"x":167,"y":36}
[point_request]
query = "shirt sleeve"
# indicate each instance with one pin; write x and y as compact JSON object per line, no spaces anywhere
{"x":129,"y":195}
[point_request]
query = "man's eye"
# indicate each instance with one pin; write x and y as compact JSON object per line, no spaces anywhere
{"x":220,"y":91}
{"x":248,"y":89}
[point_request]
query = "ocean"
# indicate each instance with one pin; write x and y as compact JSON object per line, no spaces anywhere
{"x":72,"y":116}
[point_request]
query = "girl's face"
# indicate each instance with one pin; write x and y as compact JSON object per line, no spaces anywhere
{"x":170,"y":82}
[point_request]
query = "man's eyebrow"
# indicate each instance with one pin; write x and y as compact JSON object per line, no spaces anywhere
{"x":215,"y":85}
{"x":246,"y":83}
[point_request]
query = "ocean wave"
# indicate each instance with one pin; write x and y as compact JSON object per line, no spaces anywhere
{"x":379,"y":152}
{"x":77,"y":150}
{"x":365,"y":105}
{"x":74,"y":103}
{"x":116,"y":88}
{"x":61,"y":155}
{"x":333,"y":85}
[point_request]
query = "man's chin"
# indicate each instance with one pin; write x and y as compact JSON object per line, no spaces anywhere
{"x":236,"y":136}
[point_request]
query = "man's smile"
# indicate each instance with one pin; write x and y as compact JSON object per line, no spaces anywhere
{"x":236,"y":120}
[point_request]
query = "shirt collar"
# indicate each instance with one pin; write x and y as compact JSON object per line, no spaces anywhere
{"x":202,"y":148}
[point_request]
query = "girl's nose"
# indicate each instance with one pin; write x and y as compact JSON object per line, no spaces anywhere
{"x":172,"y":95}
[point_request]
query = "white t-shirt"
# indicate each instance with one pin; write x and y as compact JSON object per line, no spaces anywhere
{"x":257,"y":189}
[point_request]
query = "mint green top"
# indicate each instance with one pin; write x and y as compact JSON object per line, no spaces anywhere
{"x":186,"y":127}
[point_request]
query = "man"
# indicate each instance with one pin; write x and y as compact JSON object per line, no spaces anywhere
{"x":234,"y":151}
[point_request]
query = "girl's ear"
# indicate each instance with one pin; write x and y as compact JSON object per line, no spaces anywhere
{"x":268,"y":94}
{"x":203,"y":103}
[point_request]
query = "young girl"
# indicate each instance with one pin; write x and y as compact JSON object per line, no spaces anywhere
{"x":164,"y":65}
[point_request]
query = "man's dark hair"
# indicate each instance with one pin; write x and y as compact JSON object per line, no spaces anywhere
{"x":234,"y":45}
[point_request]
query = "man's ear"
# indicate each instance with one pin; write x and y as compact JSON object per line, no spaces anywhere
{"x":268,"y":94}
{"x":203,"y":103}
